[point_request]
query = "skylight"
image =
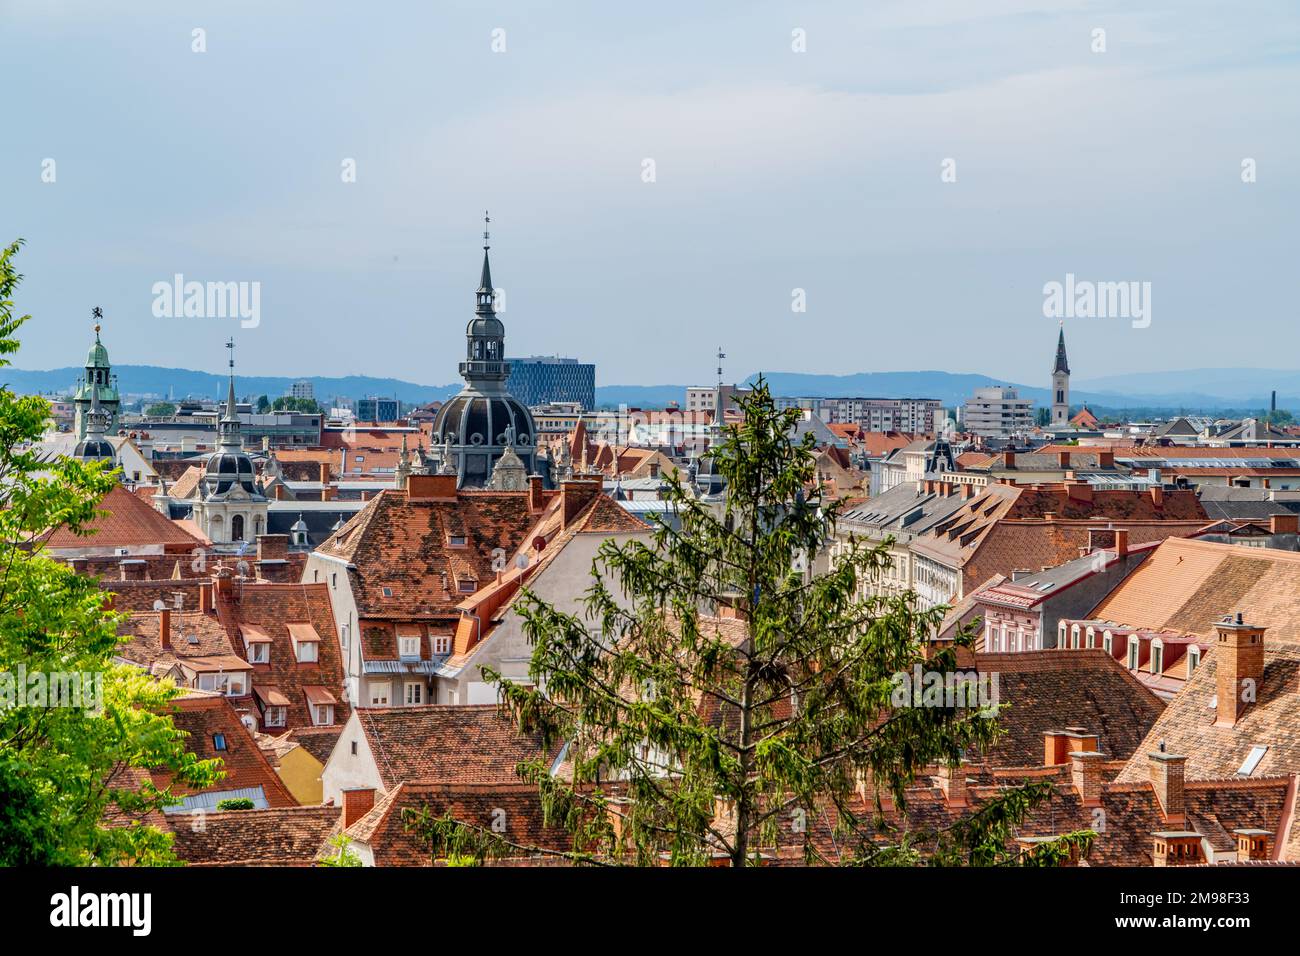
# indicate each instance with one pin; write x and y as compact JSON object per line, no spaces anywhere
{"x":1252,"y":761}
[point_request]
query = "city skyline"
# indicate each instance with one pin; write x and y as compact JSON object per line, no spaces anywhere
{"x":1067,"y":162}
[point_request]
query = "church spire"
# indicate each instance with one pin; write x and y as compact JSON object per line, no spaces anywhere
{"x":228,"y":426}
{"x":484,"y":294}
{"x":1062,"y":364}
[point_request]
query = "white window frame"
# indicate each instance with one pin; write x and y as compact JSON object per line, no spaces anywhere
{"x":372,"y":688}
{"x":322,"y":710}
{"x":275,"y":716}
{"x":308,"y":652}
{"x":413,"y":693}
{"x":441,"y":644}
{"x":408,"y":645}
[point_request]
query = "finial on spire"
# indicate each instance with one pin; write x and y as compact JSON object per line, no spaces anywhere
{"x":230,"y":344}
{"x":97,"y":314}
{"x":487,"y":220}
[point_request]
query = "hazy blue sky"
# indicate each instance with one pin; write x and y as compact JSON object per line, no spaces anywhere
{"x":775,"y":170}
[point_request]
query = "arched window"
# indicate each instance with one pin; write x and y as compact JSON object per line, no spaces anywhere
{"x":237,"y":528}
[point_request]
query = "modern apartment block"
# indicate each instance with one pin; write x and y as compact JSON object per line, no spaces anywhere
{"x":998,"y":412}
{"x":544,"y":380}
{"x":873,"y":414}
{"x":378,"y":409}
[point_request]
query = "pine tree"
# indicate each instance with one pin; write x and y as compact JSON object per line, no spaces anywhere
{"x":717,"y":695}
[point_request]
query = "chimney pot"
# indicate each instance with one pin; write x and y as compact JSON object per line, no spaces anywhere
{"x":165,"y":628}
{"x":1085,"y":775}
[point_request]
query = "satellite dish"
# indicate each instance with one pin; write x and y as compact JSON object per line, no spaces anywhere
{"x":159,"y":606}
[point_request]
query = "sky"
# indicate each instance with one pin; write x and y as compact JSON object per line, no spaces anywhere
{"x":913,"y":172}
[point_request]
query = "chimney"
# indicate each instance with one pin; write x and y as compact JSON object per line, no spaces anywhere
{"x":272,"y":547}
{"x":436,"y":487}
{"x":224,"y":581}
{"x":952,"y":781}
{"x":575,"y":494}
{"x":324,"y":472}
{"x":867,"y":791}
{"x":165,"y":628}
{"x":1288,"y":523}
{"x":1008,"y":459}
{"x":133,"y":569}
{"x":1179,"y":848}
{"x":536,"y":500}
{"x":1158,"y":496}
{"x":280,"y":491}
{"x":356,"y":804}
{"x":1239,"y":668}
{"x":1121,"y":542}
{"x":968,"y":490}
{"x":1085,"y":775}
{"x":1106,"y":459}
{"x":1060,"y":745}
{"x":1063,"y":459}
{"x":205,"y":597}
{"x":1167,"y":781}
{"x":1252,"y":844}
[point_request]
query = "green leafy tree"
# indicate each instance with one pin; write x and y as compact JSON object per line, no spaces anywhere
{"x":263,"y":404}
{"x":287,"y":403}
{"x":344,"y":855}
{"x":235,"y":803}
{"x":160,"y":410}
{"x":693,"y":738}
{"x":72,"y":785}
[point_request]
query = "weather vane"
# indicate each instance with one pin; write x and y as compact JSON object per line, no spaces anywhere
{"x":486,"y":220}
{"x":96,"y":313}
{"x":230,"y":344}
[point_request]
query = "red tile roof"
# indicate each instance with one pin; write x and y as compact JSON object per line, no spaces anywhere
{"x":125,"y":522}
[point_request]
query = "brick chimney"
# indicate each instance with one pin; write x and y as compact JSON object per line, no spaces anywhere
{"x":434,"y":487}
{"x":1063,"y":459}
{"x":205,"y":596}
{"x":1106,"y":459}
{"x":272,"y":547}
{"x":165,"y":628}
{"x":1252,"y":844}
{"x":1239,"y":668}
{"x":132,"y":569}
{"x":1058,"y":745}
{"x":1158,"y":496}
{"x":1288,"y":523}
{"x":280,"y":491}
{"x":1167,"y":781}
{"x":575,"y":495}
{"x":356,"y":804}
{"x":536,"y":500}
{"x":324,"y":472}
{"x":952,"y":781}
{"x":968,"y":490}
{"x":1085,"y":775}
{"x":1177,"y":848}
{"x":1008,"y":459}
{"x":1121,"y":542}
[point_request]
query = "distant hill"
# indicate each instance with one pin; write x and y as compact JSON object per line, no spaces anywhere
{"x":1193,"y":390}
{"x":183,"y":383}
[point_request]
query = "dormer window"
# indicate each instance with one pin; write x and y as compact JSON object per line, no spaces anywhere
{"x":441,"y":644}
{"x":321,"y":703}
{"x":1132,"y":654}
{"x":306,"y":643}
{"x":458,"y":540}
{"x":257,"y":642}
{"x":1193,"y":659}
{"x":218,"y":741}
{"x":1157,"y":657}
{"x":467,"y":585}
{"x":408,"y":646}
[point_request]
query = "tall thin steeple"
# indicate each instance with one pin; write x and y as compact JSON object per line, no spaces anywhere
{"x":1061,"y":384}
{"x":484,"y":293}
{"x":228,"y":426}
{"x":1062,"y":364}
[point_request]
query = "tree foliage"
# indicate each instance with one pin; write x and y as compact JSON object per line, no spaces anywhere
{"x":72,"y":786}
{"x":717,"y":697}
